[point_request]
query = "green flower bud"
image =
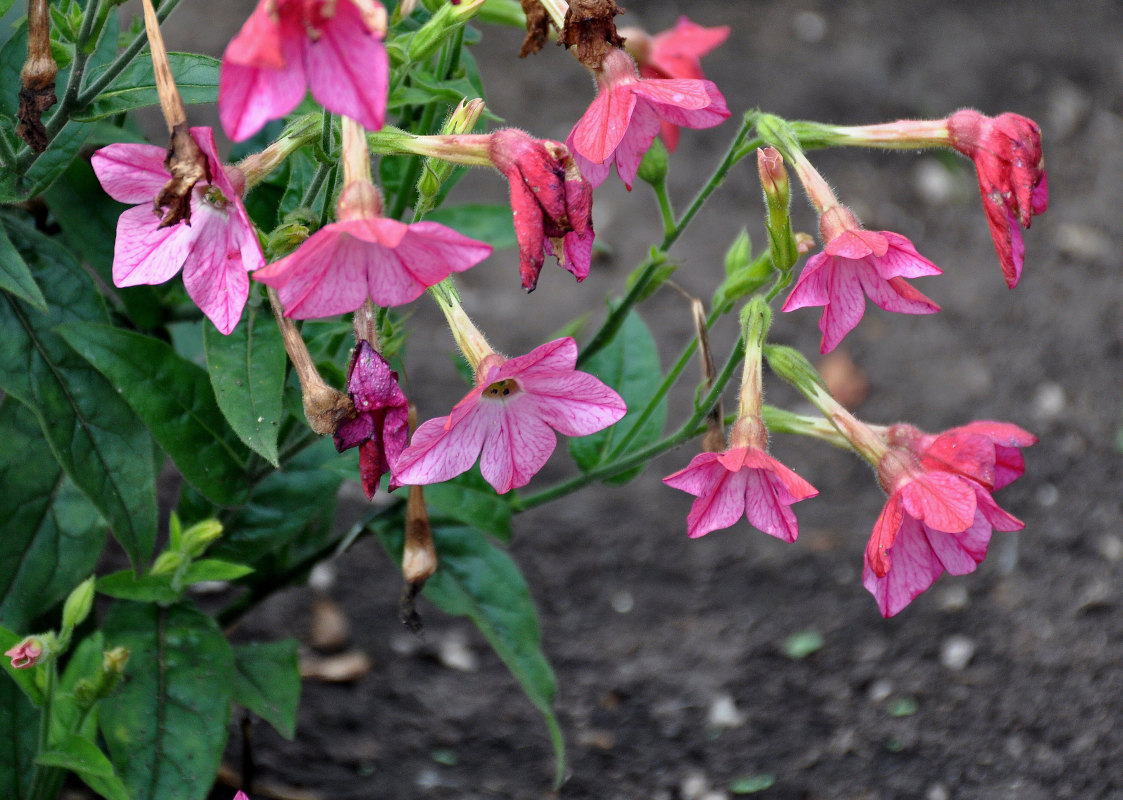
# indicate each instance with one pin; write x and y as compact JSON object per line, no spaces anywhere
{"x":739,"y":254}
{"x":167,"y":563}
{"x":78,"y":605}
{"x":199,"y":537}
{"x":653,"y":167}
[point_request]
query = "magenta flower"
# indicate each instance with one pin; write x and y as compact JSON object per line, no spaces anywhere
{"x":933,"y":522}
{"x":987,"y":452}
{"x":855,"y":264}
{"x":366,"y":255}
{"x":742,"y":481}
{"x":215,"y":249}
{"x":26,"y":654}
{"x":1011,"y":168}
{"x":623,"y":120}
{"x":286,"y":47}
{"x":508,"y":420}
{"x":553,"y":204}
{"x":381,"y":426}
{"x":676,"y":53}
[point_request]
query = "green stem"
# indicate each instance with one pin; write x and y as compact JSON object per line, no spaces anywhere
{"x":333,"y":178}
{"x":41,"y":777}
{"x":620,"y":311}
{"x":665,"y":208}
{"x":118,"y":65}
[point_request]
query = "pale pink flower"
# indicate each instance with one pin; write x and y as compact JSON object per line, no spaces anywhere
{"x":215,"y":249}
{"x":933,"y":522}
{"x":25,"y":654}
{"x":855,"y":264}
{"x":1011,"y":168}
{"x":676,"y":53}
{"x":508,"y":420}
{"x":381,"y":425}
{"x":286,"y":47}
{"x":742,"y":481}
{"x":552,"y":203}
{"x":623,"y":120}
{"x":367,"y":256}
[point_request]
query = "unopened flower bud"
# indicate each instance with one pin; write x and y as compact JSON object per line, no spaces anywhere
{"x":114,"y":660}
{"x":78,"y":605}
{"x":287,"y":236}
{"x":430,"y":36}
{"x":739,"y":254}
{"x":167,"y":563}
{"x":791,"y":365}
{"x":777,"y":198}
{"x":653,"y":167}
{"x":199,"y":537}
{"x":464,"y":117}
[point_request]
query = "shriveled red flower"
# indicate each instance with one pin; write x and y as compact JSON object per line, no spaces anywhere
{"x":380,"y":428}
{"x":25,"y":654}
{"x":552,"y":203}
{"x":1011,"y":168}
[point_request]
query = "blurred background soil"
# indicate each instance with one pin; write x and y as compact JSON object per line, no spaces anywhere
{"x":677,"y":674}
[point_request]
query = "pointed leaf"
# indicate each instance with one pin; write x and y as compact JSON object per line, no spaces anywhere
{"x":469,"y":499}
{"x":211,"y":569}
{"x":126,"y":585}
{"x":19,"y":720}
{"x":268,"y":682}
{"x":478,"y":580}
{"x":15,"y":277}
{"x":630,"y":365}
{"x":91,"y":431}
{"x":196,"y":77}
{"x":174,"y":398}
{"x":77,"y":755}
{"x":166,"y":725}
{"x":247,"y":371}
{"x":487,"y":223}
{"x":50,"y":535}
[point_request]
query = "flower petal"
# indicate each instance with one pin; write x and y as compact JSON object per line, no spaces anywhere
{"x":348,"y":68}
{"x":131,"y":173}
{"x":144,"y":252}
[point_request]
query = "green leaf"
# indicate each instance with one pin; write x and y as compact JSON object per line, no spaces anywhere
{"x":660,"y":275}
{"x":15,"y":277}
{"x":247,"y":371}
{"x":267,"y":682}
{"x":196,"y":77}
{"x":90,"y":430}
{"x":166,"y":725}
{"x":802,"y":644}
{"x":19,"y":721}
{"x":469,"y":499}
{"x":492,"y":224}
{"x":27,"y":678}
{"x":478,"y":580}
{"x":77,"y":755}
{"x":211,"y":569}
{"x":127,"y":585}
{"x":111,"y":788}
{"x":174,"y":398}
{"x":630,"y":365}
{"x":50,"y":535}
{"x":752,"y":784}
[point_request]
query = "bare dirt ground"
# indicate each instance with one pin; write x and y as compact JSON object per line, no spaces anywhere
{"x":670,"y":653}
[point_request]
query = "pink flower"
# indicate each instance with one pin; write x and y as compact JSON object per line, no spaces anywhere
{"x":1011,"y":167}
{"x":624,"y":118}
{"x":286,"y":47}
{"x":553,"y":204}
{"x":366,"y":255}
{"x":933,"y":522}
{"x":673,"y":54}
{"x":855,"y":264}
{"x":381,"y":427}
{"x":508,"y":420}
{"x":985,"y":451}
{"x":742,"y":481}
{"x":215,"y":249}
{"x":25,"y":654}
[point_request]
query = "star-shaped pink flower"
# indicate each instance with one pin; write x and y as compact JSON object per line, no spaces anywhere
{"x":676,"y":53}
{"x":286,"y":47}
{"x":623,"y":120}
{"x":1011,"y":168}
{"x":552,"y":203}
{"x":742,"y":481}
{"x":381,"y":425}
{"x":855,"y":264}
{"x":508,"y":420}
{"x":215,"y":249}
{"x":934,"y":522}
{"x":365,"y":255}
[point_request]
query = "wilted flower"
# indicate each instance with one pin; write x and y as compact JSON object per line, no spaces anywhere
{"x":215,"y":249}
{"x":25,"y":654}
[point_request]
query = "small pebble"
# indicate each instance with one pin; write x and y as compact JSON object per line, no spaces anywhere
{"x":343,"y":668}
{"x":956,"y":652}
{"x":623,"y":602}
{"x":880,"y":689}
{"x":1111,"y":547}
{"x":809,"y":27}
{"x":953,"y":597}
{"x":934,"y":182}
{"x":1083,"y":242}
{"x":322,"y":576}
{"x":330,"y":631}
{"x":1048,"y":401}
{"x":454,"y":653}
{"x":693,"y":786}
{"x":937,"y":791}
{"x":724,"y":713}
{"x":1047,"y":495}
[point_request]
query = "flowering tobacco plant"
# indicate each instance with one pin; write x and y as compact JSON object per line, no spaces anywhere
{"x":303,"y":266}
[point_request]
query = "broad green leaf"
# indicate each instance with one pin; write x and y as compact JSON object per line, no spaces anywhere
{"x":196,"y":77}
{"x":19,"y":722}
{"x":27,"y":678}
{"x":267,"y":682}
{"x":92,"y":433}
{"x":111,"y":788}
{"x":50,"y":535}
{"x":166,"y":725}
{"x":247,"y":370}
{"x":15,"y":277}
{"x":478,"y":580}
{"x":630,"y":365}
{"x":488,"y":223}
{"x":174,"y":398}
{"x":77,"y":755}
{"x":469,"y":499}
{"x":211,"y":569}
{"x":127,"y":585}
